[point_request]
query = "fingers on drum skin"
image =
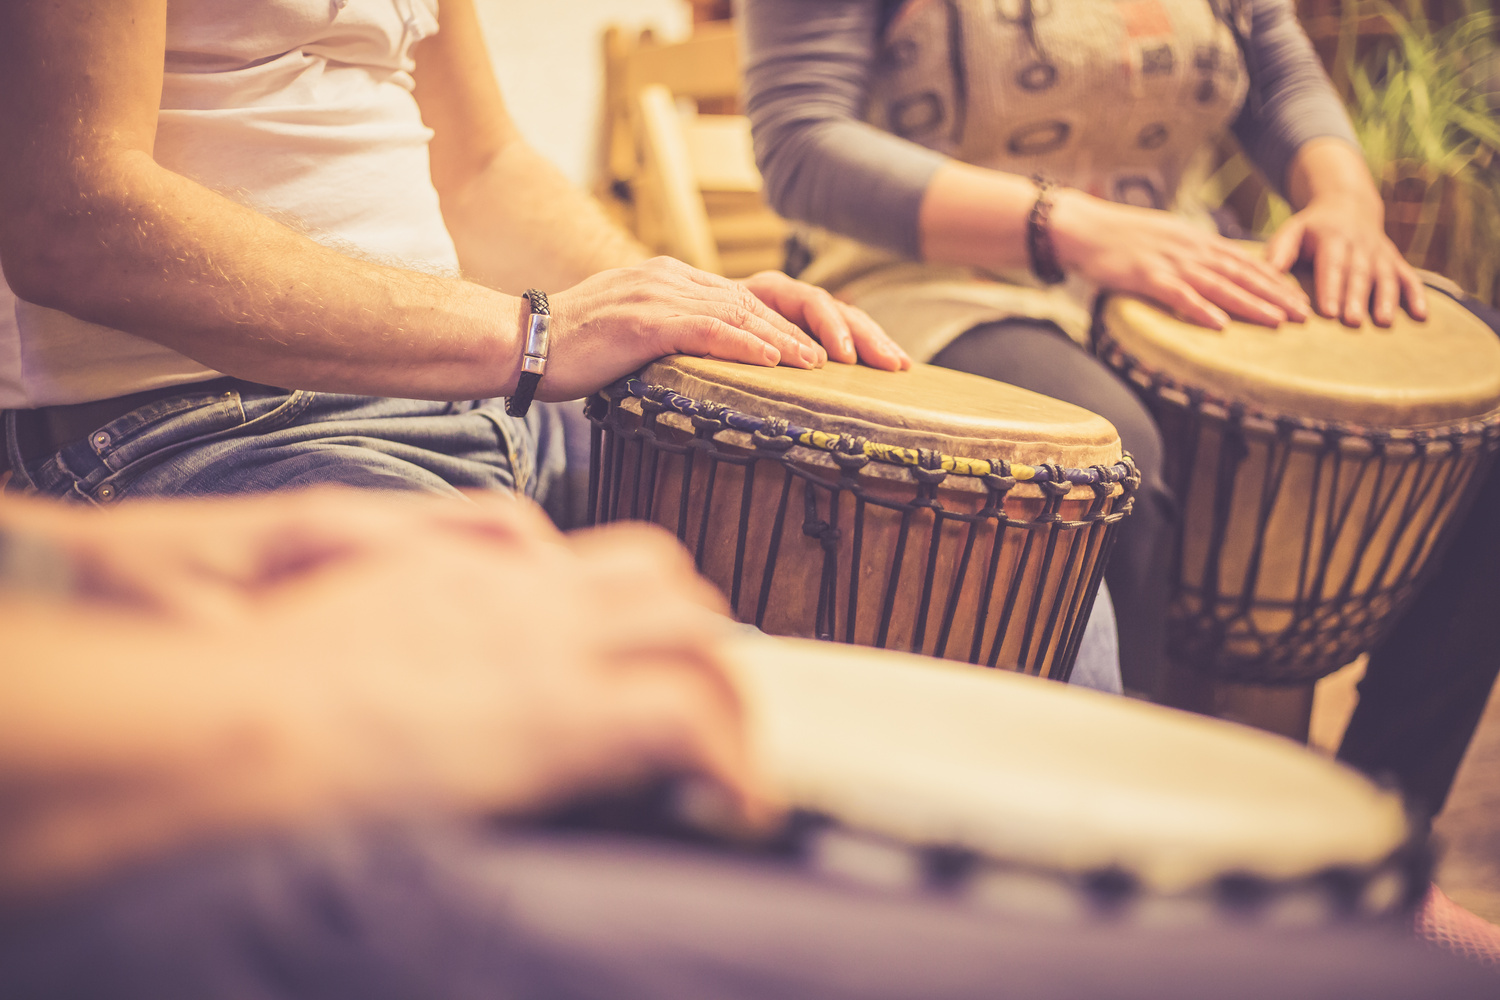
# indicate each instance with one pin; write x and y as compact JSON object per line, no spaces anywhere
{"x":710,"y":337}
{"x":1387,"y":296}
{"x":1412,"y":289}
{"x":1233,"y":298}
{"x":810,"y":307}
{"x":683,"y":714}
{"x":873,"y":345}
{"x":1357,"y":289}
{"x":1330,"y":270}
{"x":747,"y":311}
{"x":1182,"y":298}
{"x":750,"y":313}
{"x":825,"y":318}
{"x":1266,"y":281}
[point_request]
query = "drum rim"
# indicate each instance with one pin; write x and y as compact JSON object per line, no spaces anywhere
{"x":851,"y":447}
{"x":1157,"y":383}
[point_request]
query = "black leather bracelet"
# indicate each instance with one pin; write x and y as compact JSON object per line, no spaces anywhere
{"x":1039,"y":246}
{"x":533,"y":356}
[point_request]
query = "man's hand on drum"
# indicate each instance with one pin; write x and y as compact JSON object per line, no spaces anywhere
{"x":1357,"y":270}
{"x":847,"y":332}
{"x":617,"y":321}
{"x":1196,"y":273}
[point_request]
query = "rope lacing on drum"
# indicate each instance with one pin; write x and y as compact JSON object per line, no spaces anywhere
{"x":966,"y":609}
{"x":1359,"y":482}
{"x":772,"y":428}
{"x":1054,"y":487}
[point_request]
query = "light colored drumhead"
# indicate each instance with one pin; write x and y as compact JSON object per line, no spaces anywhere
{"x":1443,"y":370}
{"x":1037,"y":774}
{"x":926,"y":407}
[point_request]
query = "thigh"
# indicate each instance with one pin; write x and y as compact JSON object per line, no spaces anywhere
{"x":252,"y":442}
{"x":447,"y":914}
{"x":1037,"y":355}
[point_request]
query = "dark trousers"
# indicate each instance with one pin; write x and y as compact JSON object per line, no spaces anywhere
{"x":1038,"y":356}
{"x":455,"y":914}
{"x":1427,"y":683}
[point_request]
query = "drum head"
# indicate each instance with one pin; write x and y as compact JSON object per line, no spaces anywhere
{"x":926,"y":407}
{"x":1444,"y":370}
{"x":1049,"y":777}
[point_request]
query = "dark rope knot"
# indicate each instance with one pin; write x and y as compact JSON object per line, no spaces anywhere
{"x":849,"y":453}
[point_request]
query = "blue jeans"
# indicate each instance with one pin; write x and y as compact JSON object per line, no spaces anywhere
{"x":203,"y":444}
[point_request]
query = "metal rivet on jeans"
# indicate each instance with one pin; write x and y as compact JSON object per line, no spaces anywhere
{"x":105,"y":492}
{"x":101,"y":440}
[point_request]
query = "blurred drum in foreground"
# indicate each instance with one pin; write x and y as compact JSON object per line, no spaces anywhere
{"x":1317,"y":467}
{"x":1059,"y":803}
{"x":927,"y":510}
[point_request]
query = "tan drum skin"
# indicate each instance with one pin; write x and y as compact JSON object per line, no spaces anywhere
{"x":1046,"y":779}
{"x":925,"y":408}
{"x":1332,"y":513}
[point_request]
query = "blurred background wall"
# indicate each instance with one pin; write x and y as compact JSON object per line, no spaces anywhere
{"x":548,"y":58}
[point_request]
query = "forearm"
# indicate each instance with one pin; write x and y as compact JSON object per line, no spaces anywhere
{"x":130,"y":737}
{"x":521,"y":224}
{"x":128,"y":244}
{"x":971,"y":215}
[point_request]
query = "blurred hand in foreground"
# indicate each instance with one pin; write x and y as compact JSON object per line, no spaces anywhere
{"x":272,"y":661}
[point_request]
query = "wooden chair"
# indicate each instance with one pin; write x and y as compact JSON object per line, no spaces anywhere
{"x":679,"y":172}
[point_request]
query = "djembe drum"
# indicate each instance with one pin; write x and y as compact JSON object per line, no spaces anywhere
{"x":1317,"y":466}
{"x":1062,"y":804}
{"x":927,"y":510}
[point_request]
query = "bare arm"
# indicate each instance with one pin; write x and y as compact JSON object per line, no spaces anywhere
{"x":186,"y":719}
{"x":807,"y":72}
{"x":517,"y":222}
{"x":93,"y":226}
{"x":90,"y":224}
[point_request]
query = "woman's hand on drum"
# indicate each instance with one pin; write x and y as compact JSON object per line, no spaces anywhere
{"x":1357,"y":270}
{"x":1340,"y":229}
{"x":1198,"y":274}
{"x":848,"y":332}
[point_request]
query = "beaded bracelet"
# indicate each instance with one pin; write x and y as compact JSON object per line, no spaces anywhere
{"x":1039,"y":235}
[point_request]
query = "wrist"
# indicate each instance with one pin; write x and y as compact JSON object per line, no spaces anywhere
{"x":535,"y":346}
{"x":1074,"y":216}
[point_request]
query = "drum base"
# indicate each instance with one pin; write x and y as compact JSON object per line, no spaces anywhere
{"x":1285,"y":709}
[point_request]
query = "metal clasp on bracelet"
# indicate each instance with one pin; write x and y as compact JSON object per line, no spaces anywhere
{"x":537,"y":330}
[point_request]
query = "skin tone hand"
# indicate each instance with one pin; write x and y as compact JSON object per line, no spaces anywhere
{"x":847,"y":332}
{"x":448,"y":658}
{"x":971,"y":215}
{"x":1198,"y":274}
{"x":1358,"y":272}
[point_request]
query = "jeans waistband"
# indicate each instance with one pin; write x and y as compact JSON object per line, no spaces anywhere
{"x":48,"y":429}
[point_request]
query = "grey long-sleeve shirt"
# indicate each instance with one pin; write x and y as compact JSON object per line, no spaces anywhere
{"x":807,"y":70}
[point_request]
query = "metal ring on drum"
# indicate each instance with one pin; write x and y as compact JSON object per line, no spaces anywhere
{"x":1317,"y":468}
{"x":841,"y":504}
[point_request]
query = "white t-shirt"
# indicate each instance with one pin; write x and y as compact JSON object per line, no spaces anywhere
{"x":301,"y":109}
